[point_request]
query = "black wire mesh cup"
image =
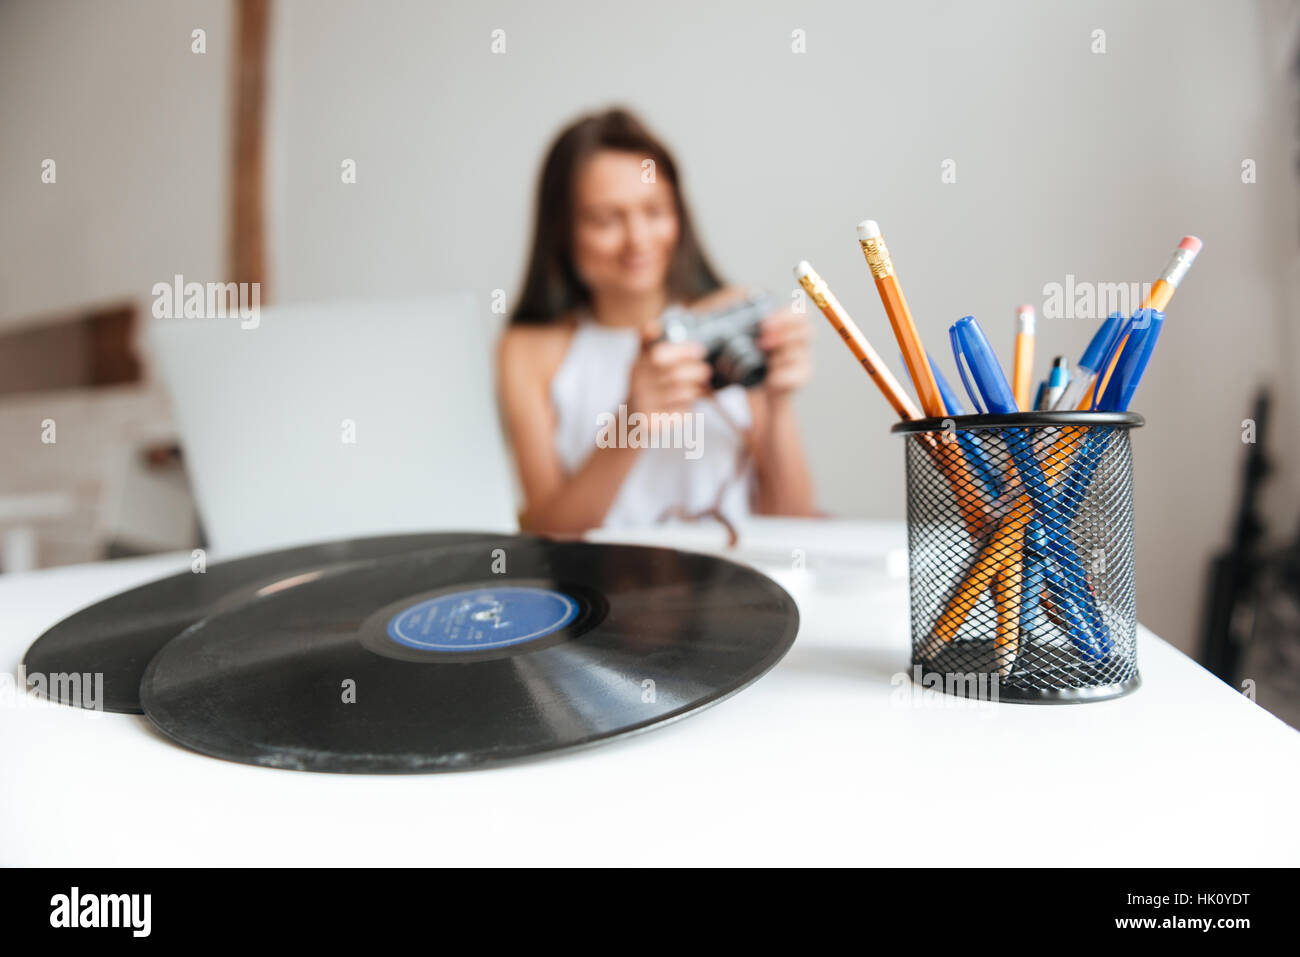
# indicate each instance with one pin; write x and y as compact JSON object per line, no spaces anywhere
{"x":1020,"y":554}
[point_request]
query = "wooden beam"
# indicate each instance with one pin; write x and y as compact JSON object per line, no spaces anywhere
{"x":247,"y":238}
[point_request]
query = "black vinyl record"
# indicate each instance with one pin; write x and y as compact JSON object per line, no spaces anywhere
{"x":117,"y":636}
{"x":445,"y":660}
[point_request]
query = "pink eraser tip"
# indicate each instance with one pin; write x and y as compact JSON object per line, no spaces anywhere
{"x":1191,"y":244}
{"x":1021,"y":310}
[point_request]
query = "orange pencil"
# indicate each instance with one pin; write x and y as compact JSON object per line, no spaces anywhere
{"x":1023,"y":370}
{"x":1004,"y":549}
{"x":900,"y":318}
{"x":974,"y":510}
{"x":1162,"y":290}
{"x":1007,"y":590}
{"x":820,"y":293}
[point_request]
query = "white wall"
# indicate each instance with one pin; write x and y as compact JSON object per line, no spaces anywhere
{"x":137,"y":127}
{"x":1067,"y":162}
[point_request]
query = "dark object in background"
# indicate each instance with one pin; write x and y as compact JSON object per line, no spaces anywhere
{"x":1272,"y":655}
{"x":1232,"y":591}
{"x":729,"y":333}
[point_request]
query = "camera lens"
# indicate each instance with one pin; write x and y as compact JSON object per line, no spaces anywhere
{"x":741,"y":362}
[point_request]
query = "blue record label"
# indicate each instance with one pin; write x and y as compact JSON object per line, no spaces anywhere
{"x":481,"y":619}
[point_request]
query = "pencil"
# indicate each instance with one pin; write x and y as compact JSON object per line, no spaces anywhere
{"x":1007,"y":590}
{"x":1005,"y":548}
{"x":900,"y":317}
{"x":841,"y":322}
{"x":1023,"y":372}
{"x":1162,"y":290}
{"x":974,"y":510}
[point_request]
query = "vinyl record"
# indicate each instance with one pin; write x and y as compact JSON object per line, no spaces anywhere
{"x":445,"y":660}
{"x":117,"y":636}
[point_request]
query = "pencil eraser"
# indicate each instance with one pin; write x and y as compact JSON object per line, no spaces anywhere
{"x":1191,"y":244}
{"x":803,"y":269}
{"x":1021,"y":310}
{"x":868,"y":229}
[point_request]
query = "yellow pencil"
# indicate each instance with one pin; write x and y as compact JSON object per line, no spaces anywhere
{"x":1007,"y":589}
{"x":820,"y":293}
{"x":1162,"y":290}
{"x":900,"y":317}
{"x":974,"y":509}
{"x":1023,"y":371}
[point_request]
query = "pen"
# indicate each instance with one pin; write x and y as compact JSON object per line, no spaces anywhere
{"x":970,"y":342}
{"x":1022,"y":372}
{"x":1132,"y":362}
{"x":1004,"y":569}
{"x":1035,"y":559}
{"x":970,"y":441}
{"x":1082,"y":375}
{"x":1057,"y":380}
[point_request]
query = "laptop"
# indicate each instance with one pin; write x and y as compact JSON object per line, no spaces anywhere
{"x":339,"y":420}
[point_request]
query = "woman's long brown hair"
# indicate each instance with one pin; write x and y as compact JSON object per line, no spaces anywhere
{"x":552,"y":287}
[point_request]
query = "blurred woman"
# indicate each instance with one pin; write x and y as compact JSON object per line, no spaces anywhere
{"x":613,"y":247}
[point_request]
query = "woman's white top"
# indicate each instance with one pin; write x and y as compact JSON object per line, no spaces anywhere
{"x":700,"y":462}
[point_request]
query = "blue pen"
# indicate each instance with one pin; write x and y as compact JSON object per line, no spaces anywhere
{"x":950,"y":400}
{"x":1057,"y":380}
{"x":1081,"y":377}
{"x":1064,"y":593}
{"x":1146,"y":325}
{"x":1119,"y":393}
{"x":1035,"y":563}
{"x":1132,"y":361}
{"x":1123,"y":383}
{"x":969,"y":340}
{"x":970,"y":442}
{"x":1040,"y":572}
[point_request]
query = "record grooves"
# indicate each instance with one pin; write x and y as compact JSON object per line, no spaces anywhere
{"x":116,"y":637}
{"x":430,"y":661}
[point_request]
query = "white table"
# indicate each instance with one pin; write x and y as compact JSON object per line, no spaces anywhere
{"x":829,"y":759}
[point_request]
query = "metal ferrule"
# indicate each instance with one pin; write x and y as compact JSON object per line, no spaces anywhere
{"x":1179,"y":263}
{"x":816,"y":288}
{"x":877,"y":254}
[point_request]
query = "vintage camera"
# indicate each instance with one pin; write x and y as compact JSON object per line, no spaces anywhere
{"x":730,"y":334}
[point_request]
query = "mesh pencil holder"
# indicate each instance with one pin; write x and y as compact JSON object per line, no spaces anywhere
{"x":1020,"y":552}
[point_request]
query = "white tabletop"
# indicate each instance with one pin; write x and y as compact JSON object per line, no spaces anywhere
{"x":829,"y":759}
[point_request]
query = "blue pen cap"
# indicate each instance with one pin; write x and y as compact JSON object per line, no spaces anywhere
{"x":1101,"y":342}
{"x":1147,"y":324}
{"x":969,"y":340}
{"x":1059,"y":377}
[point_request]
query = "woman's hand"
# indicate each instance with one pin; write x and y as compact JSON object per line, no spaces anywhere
{"x":786,"y":337}
{"x":668,"y":377}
